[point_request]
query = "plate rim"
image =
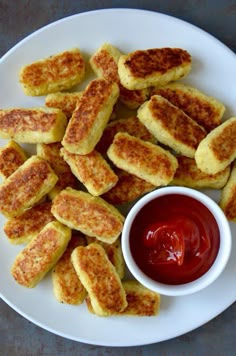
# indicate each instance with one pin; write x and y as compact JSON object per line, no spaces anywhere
{"x":121,"y":9}
{"x":84,"y":14}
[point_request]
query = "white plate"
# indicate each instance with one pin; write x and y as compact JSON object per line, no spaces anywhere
{"x":214,"y":71}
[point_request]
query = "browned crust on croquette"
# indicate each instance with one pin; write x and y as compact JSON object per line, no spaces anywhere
{"x":35,"y":174}
{"x":128,"y":188}
{"x":141,"y":301}
{"x":30,"y":222}
{"x":105,"y":62}
{"x":20,"y":120}
{"x":188,"y":168}
{"x":101,"y":278}
{"x":68,"y":287}
{"x":84,"y":212}
{"x":138,"y":152}
{"x":133,"y":98}
{"x":223,"y":145}
{"x":67,"y":102}
{"x":230,"y":207}
{"x":87,"y":110}
{"x":114,"y":253}
{"x":51,"y":153}
{"x":42,"y":249}
{"x":131,"y":125}
{"x":66,"y":179}
{"x":10,"y":160}
{"x":181,"y":127}
{"x":92,"y":170}
{"x":203,"y":112}
{"x":142,"y":63}
{"x":35,"y":74}
{"x":188,"y":174}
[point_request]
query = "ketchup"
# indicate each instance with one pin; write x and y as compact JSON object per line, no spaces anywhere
{"x":174,"y":239}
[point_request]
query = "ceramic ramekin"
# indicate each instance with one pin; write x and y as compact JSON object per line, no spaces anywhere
{"x":215,"y":270}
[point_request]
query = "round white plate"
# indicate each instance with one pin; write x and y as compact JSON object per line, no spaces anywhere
{"x":214,"y":71}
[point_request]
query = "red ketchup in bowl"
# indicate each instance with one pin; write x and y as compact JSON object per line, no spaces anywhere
{"x":174,"y":239}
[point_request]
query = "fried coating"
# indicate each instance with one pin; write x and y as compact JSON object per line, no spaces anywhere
{"x":171,"y":126}
{"x":188,"y":175}
{"x":156,"y":66}
{"x":67,"y":287}
{"x":33,"y":125}
{"x":104,"y":63}
{"x":142,"y":159}
{"x":12,"y":156}
{"x":65,"y":180}
{"x":51,"y":153}
{"x":67,"y":102}
{"x":218,"y":149}
{"x":23,"y":228}
{"x":92,"y":170}
{"x":100,"y":279}
{"x":91,"y":215}
{"x":202,"y":108}
{"x":26,"y":186}
{"x":228,"y":196}
{"x":131,"y":125}
{"x":128,"y":188}
{"x":114,"y":253}
{"x":90,"y":116}
{"x":41,"y":254}
{"x":141,"y":301}
{"x":132,"y":99}
{"x":58,"y":72}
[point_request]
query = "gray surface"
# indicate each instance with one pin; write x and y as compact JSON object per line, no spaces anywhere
{"x":19,"y":336}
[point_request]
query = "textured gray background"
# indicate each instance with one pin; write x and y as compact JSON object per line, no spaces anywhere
{"x":19,"y":336}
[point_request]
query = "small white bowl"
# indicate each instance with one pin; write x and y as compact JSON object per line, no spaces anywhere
{"x":213,"y":272}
